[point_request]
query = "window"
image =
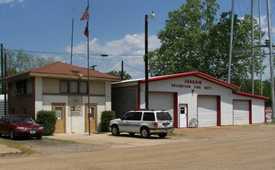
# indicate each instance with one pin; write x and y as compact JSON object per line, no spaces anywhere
{"x":63,"y":86}
{"x":29,"y":87}
{"x":149,"y":116}
{"x":23,"y":87}
{"x":163,"y":116}
{"x":73,"y":87}
{"x":133,"y":116}
{"x":83,"y":87}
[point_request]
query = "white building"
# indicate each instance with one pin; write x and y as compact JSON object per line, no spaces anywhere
{"x":63,"y":88}
{"x":193,"y":99}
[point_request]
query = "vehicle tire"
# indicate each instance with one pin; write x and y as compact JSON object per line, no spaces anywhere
{"x":162,"y":135}
{"x":115,"y":130}
{"x":39,"y":137}
{"x":132,"y":134}
{"x":12,"y":135}
{"x":145,"y":133}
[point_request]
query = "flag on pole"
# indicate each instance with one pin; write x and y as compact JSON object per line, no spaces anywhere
{"x":85,"y":15}
{"x":86,"y":31}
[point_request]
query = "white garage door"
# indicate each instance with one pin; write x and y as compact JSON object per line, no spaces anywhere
{"x":162,"y":101}
{"x":240,"y":112}
{"x":207,"y":111}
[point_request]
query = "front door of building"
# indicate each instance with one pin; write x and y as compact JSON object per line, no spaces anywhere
{"x":183,"y":112}
{"x":93,"y":116}
{"x":60,"y":124}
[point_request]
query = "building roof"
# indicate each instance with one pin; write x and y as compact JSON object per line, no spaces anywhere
{"x":251,"y":95}
{"x":62,"y":69}
{"x":184,"y":74}
{"x":198,"y":74}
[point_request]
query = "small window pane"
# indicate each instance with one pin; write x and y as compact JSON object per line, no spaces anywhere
{"x":83,"y":87}
{"x":73,"y":86}
{"x":133,"y":116}
{"x":149,"y":116}
{"x":164,"y":116}
{"x":63,"y":86}
{"x":29,"y":87}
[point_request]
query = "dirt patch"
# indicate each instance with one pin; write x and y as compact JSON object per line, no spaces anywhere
{"x":238,"y":148}
{"x":11,"y":148}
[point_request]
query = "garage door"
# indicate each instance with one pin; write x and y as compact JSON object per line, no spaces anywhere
{"x":240,"y":112}
{"x":162,"y":101}
{"x":207,"y":111}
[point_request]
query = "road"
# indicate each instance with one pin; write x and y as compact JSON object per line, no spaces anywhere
{"x":226,"y":148}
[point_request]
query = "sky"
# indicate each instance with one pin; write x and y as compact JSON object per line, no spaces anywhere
{"x":42,"y":27}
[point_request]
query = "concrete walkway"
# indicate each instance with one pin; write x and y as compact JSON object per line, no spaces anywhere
{"x":7,"y":150}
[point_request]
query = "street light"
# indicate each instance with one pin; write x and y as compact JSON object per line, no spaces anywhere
{"x":147,"y":17}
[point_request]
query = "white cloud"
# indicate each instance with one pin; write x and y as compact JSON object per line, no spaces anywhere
{"x":129,"y":45}
{"x":129,"y":48}
{"x":9,"y":1}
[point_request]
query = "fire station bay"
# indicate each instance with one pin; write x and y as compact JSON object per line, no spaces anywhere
{"x":194,"y":99}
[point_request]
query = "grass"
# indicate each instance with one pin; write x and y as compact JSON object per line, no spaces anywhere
{"x":13,"y":144}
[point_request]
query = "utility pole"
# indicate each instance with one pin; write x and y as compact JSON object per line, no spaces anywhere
{"x":146,"y":65}
{"x":72,"y":41}
{"x":261,"y":51}
{"x":122,"y":71}
{"x":270,"y":56}
{"x":231,"y":42}
{"x":5,"y":83}
{"x":252,"y":48}
{"x":2,"y":68}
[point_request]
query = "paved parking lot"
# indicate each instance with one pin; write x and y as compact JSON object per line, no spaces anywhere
{"x":238,"y":148}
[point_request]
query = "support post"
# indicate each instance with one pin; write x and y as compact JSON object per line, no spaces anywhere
{"x":252,"y":48}
{"x":122,"y":71}
{"x":72,"y":42}
{"x":231,"y":42}
{"x":270,"y":56}
{"x":5,"y":83}
{"x":146,"y":64}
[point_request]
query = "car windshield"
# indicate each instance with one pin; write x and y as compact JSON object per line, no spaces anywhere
{"x":21,"y":119}
{"x":163,"y":116}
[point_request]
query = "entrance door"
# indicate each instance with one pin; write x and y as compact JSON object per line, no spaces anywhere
{"x":60,"y":124}
{"x":76,"y":119}
{"x":240,"y":112}
{"x":93,"y":117}
{"x":183,"y":112}
{"x":207,"y":111}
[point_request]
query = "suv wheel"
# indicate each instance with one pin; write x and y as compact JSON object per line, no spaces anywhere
{"x":162,"y":135}
{"x":115,"y":130}
{"x":145,"y":133}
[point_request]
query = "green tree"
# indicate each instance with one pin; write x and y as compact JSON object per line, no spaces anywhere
{"x":195,"y":38}
{"x":21,"y":61}
{"x":126,"y":76}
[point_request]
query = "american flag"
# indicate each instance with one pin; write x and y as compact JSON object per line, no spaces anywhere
{"x":85,"y":15}
{"x":86,"y":31}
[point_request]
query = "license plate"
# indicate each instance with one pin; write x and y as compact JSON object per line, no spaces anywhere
{"x":32,"y":132}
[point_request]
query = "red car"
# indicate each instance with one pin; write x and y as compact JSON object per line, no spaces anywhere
{"x":20,"y":126}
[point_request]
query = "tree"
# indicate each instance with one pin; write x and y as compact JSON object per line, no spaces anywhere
{"x":126,"y":76}
{"x":18,"y":62}
{"x":195,"y":38}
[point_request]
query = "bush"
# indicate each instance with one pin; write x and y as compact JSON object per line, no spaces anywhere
{"x":105,"y":120}
{"x":47,"y":119}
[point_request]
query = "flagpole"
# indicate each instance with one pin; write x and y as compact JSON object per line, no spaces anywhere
{"x":88,"y":67}
{"x":72,"y":41}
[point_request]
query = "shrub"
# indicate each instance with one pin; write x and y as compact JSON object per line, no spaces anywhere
{"x":106,"y":116}
{"x":47,"y":119}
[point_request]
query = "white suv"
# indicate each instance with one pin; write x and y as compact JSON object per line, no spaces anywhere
{"x":144,"y":122}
